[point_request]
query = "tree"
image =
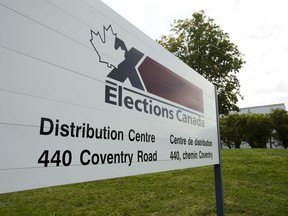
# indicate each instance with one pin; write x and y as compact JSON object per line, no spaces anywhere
{"x":280,"y":124}
{"x":231,"y":132}
{"x":257,"y":129}
{"x":202,"y":45}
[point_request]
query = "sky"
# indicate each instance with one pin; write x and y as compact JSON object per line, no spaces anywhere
{"x":259,"y":28}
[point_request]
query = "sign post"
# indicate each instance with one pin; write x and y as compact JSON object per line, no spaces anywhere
{"x":219,"y":189}
{"x":86,"y":96}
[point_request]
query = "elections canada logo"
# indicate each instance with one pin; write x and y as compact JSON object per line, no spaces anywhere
{"x":149,"y":80}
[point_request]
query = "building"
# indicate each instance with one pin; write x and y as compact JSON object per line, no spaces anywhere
{"x":262,"y":109}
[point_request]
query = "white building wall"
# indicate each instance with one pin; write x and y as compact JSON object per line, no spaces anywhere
{"x":262,"y":109}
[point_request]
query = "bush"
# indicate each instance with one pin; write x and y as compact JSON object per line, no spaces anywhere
{"x":255,"y":129}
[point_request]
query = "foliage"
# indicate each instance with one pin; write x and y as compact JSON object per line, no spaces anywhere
{"x":280,"y":124}
{"x":230,"y":130}
{"x":257,"y":129}
{"x":202,"y":45}
{"x":255,"y":183}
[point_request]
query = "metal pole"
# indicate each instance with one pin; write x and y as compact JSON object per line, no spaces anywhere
{"x":219,"y":190}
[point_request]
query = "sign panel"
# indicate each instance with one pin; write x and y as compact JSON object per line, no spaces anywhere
{"x":86,"y":96}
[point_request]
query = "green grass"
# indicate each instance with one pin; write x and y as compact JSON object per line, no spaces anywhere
{"x":255,"y":183}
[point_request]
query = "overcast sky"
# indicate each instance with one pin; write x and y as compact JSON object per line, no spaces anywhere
{"x":259,"y":28}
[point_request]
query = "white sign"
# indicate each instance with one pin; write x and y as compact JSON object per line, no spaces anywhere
{"x":86,"y":96}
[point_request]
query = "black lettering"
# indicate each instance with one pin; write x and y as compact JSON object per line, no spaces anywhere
{"x":177,"y":115}
{"x":128,"y":101}
{"x":145,"y":103}
{"x":171,"y":114}
{"x":82,"y":155}
{"x":103,"y":158}
{"x":78,"y":128}
{"x":109,"y":94}
{"x":89,"y":132}
{"x":165,"y":112}
{"x":171,"y":139}
{"x":57,"y":127}
{"x":131,"y":137}
{"x":157,"y":110}
{"x":95,"y":159}
{"x":145,"y":157}
{"x":120,"y":96}
{"x":137,"y":102}
{"x":64,"y":130}
{"x":72,"y":127}
{"x":110,"y":158}
{"x":42,"y":126}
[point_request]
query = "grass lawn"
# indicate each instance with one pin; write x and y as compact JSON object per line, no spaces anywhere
{"x":255,"y":183}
